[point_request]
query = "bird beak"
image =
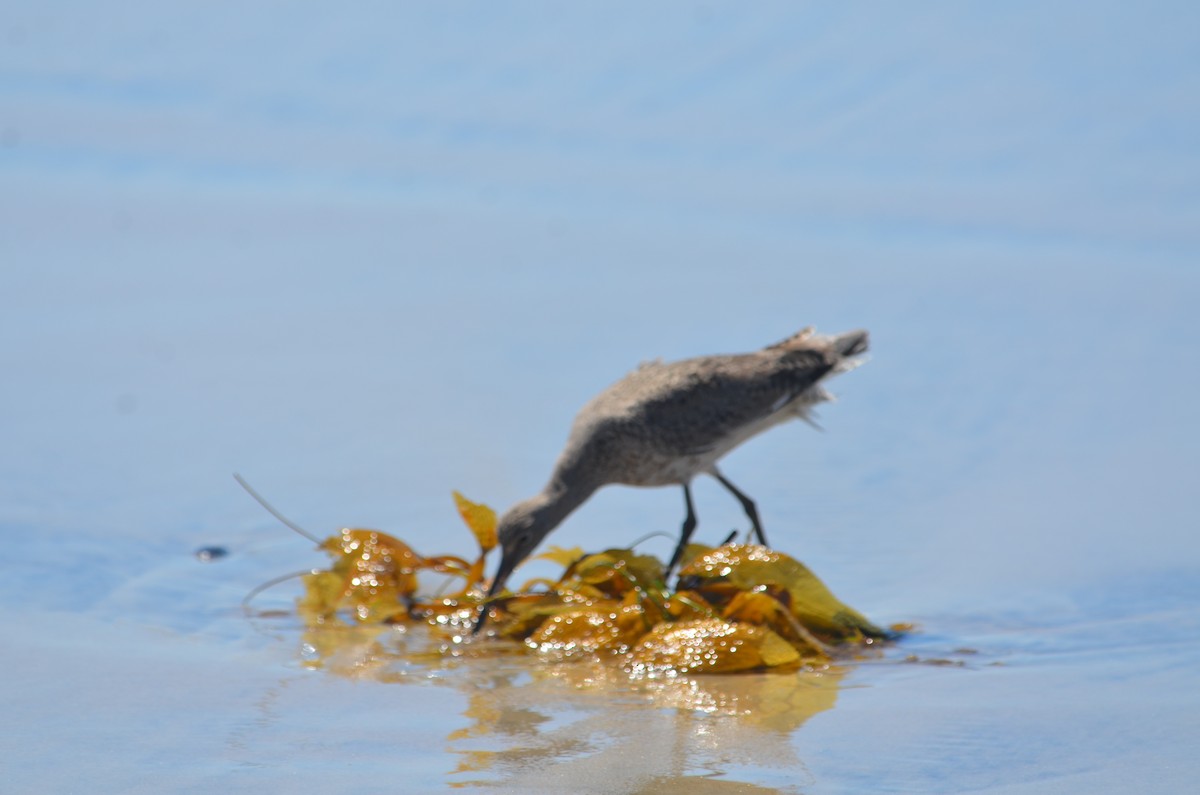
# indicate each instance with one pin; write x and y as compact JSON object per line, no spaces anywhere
{"x":480,"y":620}
{"x":508,"y":561}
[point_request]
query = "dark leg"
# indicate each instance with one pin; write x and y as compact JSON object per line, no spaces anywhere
{"x":689,"y":524}
{"x":747,"y":506}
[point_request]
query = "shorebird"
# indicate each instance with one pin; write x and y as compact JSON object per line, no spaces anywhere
{"x":665,"y":423}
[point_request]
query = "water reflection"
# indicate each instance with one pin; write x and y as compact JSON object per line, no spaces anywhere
{"x":531,"y":723}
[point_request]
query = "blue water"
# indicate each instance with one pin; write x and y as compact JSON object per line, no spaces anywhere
{"x":366,"y":256}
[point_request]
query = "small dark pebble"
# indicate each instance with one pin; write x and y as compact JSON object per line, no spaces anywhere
{"x":209,"y":554}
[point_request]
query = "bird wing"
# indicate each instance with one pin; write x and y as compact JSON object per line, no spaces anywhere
{"x":699,"y":405}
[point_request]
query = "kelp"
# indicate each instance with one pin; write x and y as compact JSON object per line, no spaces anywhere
{"x":734,"y":608}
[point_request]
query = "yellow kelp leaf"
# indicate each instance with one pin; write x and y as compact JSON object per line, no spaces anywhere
{"x":643,"y":571}
{"x":561,"y":555}
{"x":687,"y":605}
{"x":598,"y":569}
{"x":373,"y":574}
{"x":585,"y":632}
{"x":745,"y":567}
{"x":710,"y":645}
{"x":616,"y":571}
{"x":520,"y":615}
{"x":754,"y":607}
{"x":471,"y":574}
{"x":635,"y":618}
{"x":691,"y":552}
{"x":480,"y":518}
{"x":775,"y":651}
{"x":766,"y":606}
{"x":323,"y":592}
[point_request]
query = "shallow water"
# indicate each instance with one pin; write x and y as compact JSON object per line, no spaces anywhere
{"x":366,"y":258}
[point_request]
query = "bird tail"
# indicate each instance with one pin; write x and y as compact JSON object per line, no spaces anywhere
{"x":852,"y":343}
{"x":850,"y":348}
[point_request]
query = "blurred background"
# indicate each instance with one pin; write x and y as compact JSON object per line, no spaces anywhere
{"x":367,"y":255}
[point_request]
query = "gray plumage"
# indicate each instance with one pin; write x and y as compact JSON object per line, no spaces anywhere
{"x":663,"y":424}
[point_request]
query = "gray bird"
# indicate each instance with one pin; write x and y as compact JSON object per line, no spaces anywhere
{"x":663,"y":424}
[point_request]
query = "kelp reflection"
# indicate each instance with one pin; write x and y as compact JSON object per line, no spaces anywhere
{"x":533,"y":722}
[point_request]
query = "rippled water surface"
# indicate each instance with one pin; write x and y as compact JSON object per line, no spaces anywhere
{"x":368,"y":256}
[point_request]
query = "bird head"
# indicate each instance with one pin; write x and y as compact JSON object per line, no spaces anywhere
{"x":520,"y":530}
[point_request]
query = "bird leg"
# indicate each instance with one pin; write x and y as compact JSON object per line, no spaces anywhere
{"x":747,"y":505}
{"x":689,"y":524}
